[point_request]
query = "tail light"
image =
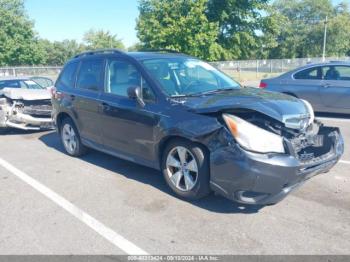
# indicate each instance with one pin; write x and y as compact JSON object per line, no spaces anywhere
{"x":262,"y":85}
{"x":55,"y":94}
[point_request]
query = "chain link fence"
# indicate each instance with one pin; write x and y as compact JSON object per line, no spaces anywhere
{"x":247,"y":70}
{"x":47,"y":71}
{"x":242,"y":70}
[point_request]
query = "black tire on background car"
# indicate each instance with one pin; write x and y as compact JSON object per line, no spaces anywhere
{"x":185,"y":167}
{"x":71,"y":139}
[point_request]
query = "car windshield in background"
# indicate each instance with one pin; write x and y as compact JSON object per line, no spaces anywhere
{"x":186,"y":77}
{"x":43,"y":81}
{"x":32,"y":85}
{"x":21,"y":83}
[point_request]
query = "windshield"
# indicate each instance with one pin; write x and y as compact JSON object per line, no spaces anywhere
{"x":185,"y":76}
{"x":32,"y":85}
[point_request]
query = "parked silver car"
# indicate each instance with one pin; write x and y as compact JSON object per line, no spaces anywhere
{"x":326,"y":86}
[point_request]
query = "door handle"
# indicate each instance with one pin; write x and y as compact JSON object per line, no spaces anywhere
{"x":326,"y":85}
{"x":72,"y":97}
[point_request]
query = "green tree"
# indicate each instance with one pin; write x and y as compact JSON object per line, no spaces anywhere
{"x":102,"y":39}
{"x":301,"y":34}
{"x":135,"y":47}
{"x":18,"y":41}
{"x":58,"y":52}
{"x":180,"y":25}
{"x":242,"y":25}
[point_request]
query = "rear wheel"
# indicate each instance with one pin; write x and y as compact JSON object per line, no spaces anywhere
{"x":71,"y":139}
{"x":185,"y":168}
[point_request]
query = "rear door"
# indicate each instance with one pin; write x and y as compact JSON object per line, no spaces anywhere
{"x":335,"y":91}
{"x":84,"y":98}
{"x":305,"y":84}
{"x":127,"y":127}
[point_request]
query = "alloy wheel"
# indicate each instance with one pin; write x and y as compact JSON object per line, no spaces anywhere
{"x":182,"y":168}
{"x":69,"y":138}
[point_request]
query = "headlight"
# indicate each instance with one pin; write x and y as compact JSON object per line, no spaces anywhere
{"x":252,"y":137}
{"x":311,"y":111}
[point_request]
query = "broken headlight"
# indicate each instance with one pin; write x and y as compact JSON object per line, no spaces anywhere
{"x":253,"y":138}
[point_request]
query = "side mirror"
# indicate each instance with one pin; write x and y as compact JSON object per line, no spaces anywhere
{"x":135,"y":92}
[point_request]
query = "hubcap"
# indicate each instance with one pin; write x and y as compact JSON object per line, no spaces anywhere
{"x":69,"y":138}
{"x":182,"y":168}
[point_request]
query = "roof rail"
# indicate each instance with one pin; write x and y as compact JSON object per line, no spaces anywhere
{"x":161,"y":50}
{"x":100,"y":51}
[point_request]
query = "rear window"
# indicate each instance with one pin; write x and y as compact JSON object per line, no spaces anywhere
{"x":67,"y":77}
{"x":309,"y":74}
{"x":90,"y":75}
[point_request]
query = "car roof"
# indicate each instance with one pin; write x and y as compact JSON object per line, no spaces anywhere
{"x":328,"y":63}
{"x":139,"y":55}
{"x":154,"y":55}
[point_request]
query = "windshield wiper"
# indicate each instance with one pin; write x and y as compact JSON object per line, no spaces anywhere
{"x":220,"y":90}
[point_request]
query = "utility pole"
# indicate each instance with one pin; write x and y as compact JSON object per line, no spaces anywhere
{"x":324,"y":40}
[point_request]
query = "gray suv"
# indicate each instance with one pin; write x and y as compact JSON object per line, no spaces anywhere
{"x":326,"y":86}
{"x":200,"y":128}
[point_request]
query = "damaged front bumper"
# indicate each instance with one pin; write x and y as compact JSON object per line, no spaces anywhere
{"x":26,"y":117}
{"x":252,"y":178}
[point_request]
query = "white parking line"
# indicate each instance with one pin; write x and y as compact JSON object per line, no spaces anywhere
{"x":334,"y":119}
{"x":113,"y":237}
{"x":344,"y":162}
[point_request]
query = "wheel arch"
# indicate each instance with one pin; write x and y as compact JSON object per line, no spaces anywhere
{"x":60,"y":117}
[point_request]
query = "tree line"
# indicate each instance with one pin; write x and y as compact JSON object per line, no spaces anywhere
{"x":209,"y":29}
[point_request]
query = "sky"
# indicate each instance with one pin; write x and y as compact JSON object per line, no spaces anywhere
{"x":70,"y":19}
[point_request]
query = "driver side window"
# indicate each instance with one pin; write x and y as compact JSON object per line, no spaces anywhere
{"x":336,"y":73}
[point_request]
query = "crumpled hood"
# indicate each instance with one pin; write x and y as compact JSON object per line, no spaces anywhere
{"x":26,"y":94}
{"x":275,"y":105}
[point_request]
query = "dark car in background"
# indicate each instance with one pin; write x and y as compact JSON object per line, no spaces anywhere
{"x":180,"y":115}
{"x":326,"y":85}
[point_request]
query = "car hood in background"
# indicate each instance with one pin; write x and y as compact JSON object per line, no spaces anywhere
{"x":275,"y":105}
{"x":26,"y":94}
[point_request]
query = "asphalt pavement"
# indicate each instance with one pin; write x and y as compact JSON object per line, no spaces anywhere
{"x":98,"y":204}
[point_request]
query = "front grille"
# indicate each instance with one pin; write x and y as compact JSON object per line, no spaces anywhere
{"x":317,"y":148}
{"x":38,"y":110}
{"x":41,"y":102}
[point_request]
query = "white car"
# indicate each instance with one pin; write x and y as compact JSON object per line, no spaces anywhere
{"x":24,"y":104}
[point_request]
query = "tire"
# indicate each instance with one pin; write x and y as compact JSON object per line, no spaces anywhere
{"x":180,"y":175}
{"x":70,"y":138}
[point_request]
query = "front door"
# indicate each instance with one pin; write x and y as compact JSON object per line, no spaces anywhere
{"x":335,"y":92}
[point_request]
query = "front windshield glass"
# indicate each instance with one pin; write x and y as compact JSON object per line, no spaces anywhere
{"x":32,"y":85}
{"x":186,"y":76}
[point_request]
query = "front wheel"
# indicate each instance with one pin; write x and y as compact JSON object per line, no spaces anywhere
{"x":71,"y":139}
{"x":185,"y":167}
